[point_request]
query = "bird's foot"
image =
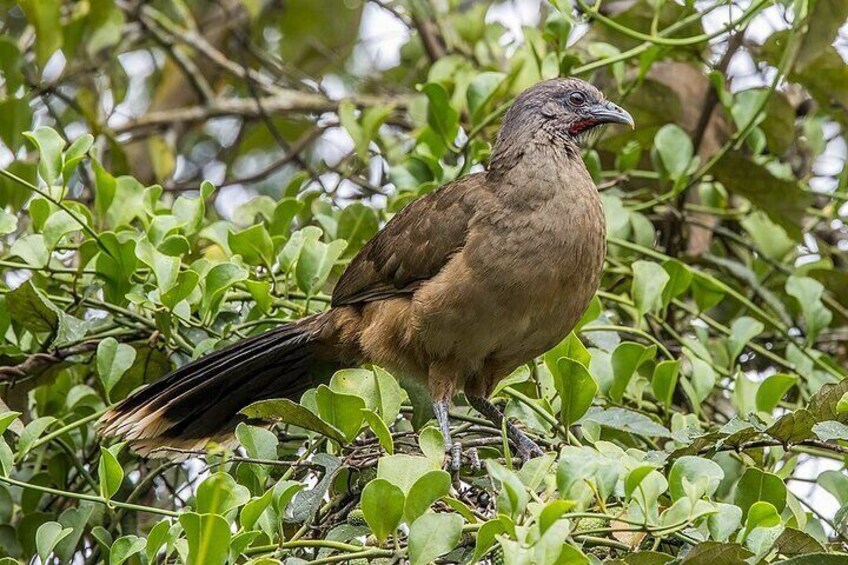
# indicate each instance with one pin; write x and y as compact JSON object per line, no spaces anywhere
{"x":454,"y":458}
{"x":527,"y":449}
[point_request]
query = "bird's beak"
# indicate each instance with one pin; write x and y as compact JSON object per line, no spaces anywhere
{"x":609,"y":113}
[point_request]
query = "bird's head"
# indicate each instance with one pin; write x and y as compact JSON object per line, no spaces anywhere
{"x":565,"y":108}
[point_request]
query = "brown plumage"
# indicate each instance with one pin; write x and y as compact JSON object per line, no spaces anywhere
{"x":459,"y":288}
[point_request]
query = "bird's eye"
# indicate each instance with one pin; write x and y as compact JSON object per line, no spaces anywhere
{"x":576,"y":98}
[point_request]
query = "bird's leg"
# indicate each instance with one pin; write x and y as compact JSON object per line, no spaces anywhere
{"x":440,"y":408}
{"x":527,"y":448}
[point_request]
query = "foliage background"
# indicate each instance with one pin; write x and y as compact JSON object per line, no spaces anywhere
{"x":180,"y":174}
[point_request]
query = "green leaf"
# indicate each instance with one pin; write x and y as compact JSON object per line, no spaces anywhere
{"x":836,"y":483}
{"x":216,"y":283}
{"x":432,"y":444}
{"x":513,"y":496}
{"x":674,"y":147}
{"x":380,"y":391}
{"x":208,"y":538}
{"x":664,"y":380}
{"x":32,"y":249}
{"x":576,"y":388}
{"x":125,"y":547}
{"x":59,"y":224}
{"x":254,"y":508}
{"x":742,"y":331}
{"x":342,"y":411}
{"x":480,"y":92}
{"x":113,"y":360}
{"x":690,"y":471}
{"x":156,"y":539}
{"x":429,"y":488}
{"x":724,"y":522}
{"x":50,"y":145}
{"x":760,"y":486}
{"x":106,"y":25}
{"x":433,"y":535}
{"x":626,"y":358}
{"x":635,"y":477}
{"x":715,"y":553}
{"x":378,"y":426}
{"x":357,"y":224}
{"x":628,"y":421}
{"x":8,"y":222}
{"x":288,"y":412}
{"x":183,"y":287}
{"x":259,"y":443}
{"x":761,"y":515}
{"x":220,"y":493}
{"x":30,"y":308}
{"x":315,"y":262}
{"x":32,"y":432}
{"x":486,"y":537}
{"x":382,"y":507}
{"x":110,"y":471}
{"x":45,"y":16}
{"x":825,"y":19}
{"x":679,"y":280}
{"x":782,"y":200}
{"x":441,"y":116}
{"x":47,"y":536}
{"x":403,"y":470}
{"x":830,"y":430}
{"x":809,"y":294}
{"x":649,"y":282}
{"x":253,"y":244}
{"x":772,"y":390}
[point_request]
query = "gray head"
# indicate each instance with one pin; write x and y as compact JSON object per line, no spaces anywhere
{"x":563,"y":109}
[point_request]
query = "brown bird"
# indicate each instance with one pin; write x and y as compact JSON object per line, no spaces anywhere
{"x":459,"y":289}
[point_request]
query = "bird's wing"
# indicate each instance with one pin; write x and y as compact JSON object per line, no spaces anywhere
{"x":413,"y":246}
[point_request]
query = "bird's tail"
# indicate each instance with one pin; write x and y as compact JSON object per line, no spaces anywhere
{"x":201,"y":400}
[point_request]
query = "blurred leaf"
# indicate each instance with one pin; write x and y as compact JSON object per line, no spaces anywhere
{"x":825,"y":19}
{"x":782,"y":200}
{"x":808,"y":292}
{"x":675,"y":149}
{"x":49,"y":145}
{"x":45,"y":16}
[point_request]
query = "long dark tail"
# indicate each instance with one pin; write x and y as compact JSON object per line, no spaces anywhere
{"x":202,"y":399}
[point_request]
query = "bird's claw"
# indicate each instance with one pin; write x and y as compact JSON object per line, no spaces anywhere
{"x":453,"y":458}
{"x":527,"y":450}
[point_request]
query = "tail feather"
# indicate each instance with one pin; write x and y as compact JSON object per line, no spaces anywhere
{"x":201,"y":400}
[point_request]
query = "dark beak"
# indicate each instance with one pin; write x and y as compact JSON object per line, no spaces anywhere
{"x":609,"y":113}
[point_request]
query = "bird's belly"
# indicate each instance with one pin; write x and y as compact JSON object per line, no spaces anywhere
{"x":508,"y":309}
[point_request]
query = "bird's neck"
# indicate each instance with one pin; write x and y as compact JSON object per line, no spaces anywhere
{"x":541,"y":166}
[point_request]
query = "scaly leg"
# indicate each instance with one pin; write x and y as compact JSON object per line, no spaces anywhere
{"x":440,"y":408}
{"x":527,"y":448}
